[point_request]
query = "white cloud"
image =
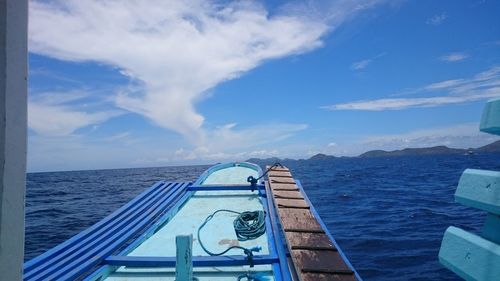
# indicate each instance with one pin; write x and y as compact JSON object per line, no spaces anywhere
{"x":482,"y":86}
{"x":458,"y":136}
{"x":229,"y":143}
{"x":360,"y":65}
{"x":176,"y":51}
{"x":454,"y":57}
{"x":436,"y":19}
{"x":50,"y":114}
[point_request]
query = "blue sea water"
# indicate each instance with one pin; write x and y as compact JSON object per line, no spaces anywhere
{"x":387,"y":214}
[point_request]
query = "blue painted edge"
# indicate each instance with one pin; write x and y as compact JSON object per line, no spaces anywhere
{"x":48,"y":254}
{"x":221,"y":166}
{"x":280,"y":245}
{"x":323,"y":225}
{"x":270,"y":238}
{"x":198,"y":261}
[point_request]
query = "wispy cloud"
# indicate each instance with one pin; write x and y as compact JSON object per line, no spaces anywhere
{"x":454,"y":57}
{"x":126,"y":149}
{"x":53,"y":114}
{"x":459,"y":136}
{"x":177,"y":51}
{"x":482,"y":86}
{"x":360,"y":65}
{"x":436,"y":19}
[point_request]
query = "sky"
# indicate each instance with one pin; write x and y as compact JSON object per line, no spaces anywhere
{"x":130,"y":83}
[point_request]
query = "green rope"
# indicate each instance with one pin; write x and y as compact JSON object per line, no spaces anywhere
{"x":248,"y":226}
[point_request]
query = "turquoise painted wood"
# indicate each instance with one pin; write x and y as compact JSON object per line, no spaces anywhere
{"x":479,"y":189}
{"x":490,"y":122}
{"x":491,"y":228}
{"x":470,"y":256}
{"x":184,"y":258}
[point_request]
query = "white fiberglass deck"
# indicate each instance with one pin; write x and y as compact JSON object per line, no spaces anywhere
{"x":217,"y":235}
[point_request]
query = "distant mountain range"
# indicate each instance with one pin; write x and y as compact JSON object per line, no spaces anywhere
{"x":435,"y":150}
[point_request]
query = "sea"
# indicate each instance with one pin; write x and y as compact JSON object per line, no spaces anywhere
{"x":387,"y":214}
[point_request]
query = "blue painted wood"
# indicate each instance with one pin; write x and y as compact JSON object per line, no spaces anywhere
{"x":106,"y":269}
{"x":118,"y":213}
{"x":224,"y":187}
{"x":198,"y":261}
{"x":90,"y":260}
{"x":491,"y":228}
{"x":100,"y":235}
{"x":490,"y":121}
{"x":270,"y":237}
{"x":184,"y":258}
{"x":320,"y":221}
{"x":479,"y":189}
{"x":278,"y":242}
{"x":470,"y":256}
{"x":72,"y":267}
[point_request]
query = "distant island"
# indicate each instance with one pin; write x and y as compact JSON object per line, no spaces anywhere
{"x":435,"y":150}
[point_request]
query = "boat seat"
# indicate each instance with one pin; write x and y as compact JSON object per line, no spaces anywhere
{"x":87,"y":250}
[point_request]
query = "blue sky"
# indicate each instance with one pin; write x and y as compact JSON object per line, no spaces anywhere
{"x":153,"y":83}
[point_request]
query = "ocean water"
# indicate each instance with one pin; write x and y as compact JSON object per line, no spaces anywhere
{"x":387,"y":214}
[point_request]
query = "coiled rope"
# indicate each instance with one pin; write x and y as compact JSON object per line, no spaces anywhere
{"x":248,"y":226}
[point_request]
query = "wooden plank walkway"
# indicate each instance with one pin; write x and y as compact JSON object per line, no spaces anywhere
{"x":313,"y":254}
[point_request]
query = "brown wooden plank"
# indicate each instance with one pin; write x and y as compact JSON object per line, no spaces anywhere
{"x":278,"y":169}
{"x":281,"y":180}
{"x":299,"y":240}
{"x":298,"y":220}
{"x":284,"y":187}
{"x":320,"y":261}
{"x":288,"y":194}
{"x":327,"y":277}
{"x":313,"y":254}
{"x":291,"y":203}
{"x":279,"y":174}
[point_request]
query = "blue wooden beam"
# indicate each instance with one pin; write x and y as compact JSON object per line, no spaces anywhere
{"x":106,"y":269}
{"x":72,"y":267}
{"x":224,"y":187}
{"x":278,"y":242}
{"x":198,"y":261}
{"x":121,"y":212}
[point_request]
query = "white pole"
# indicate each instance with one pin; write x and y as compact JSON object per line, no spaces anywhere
{"x":13,"y":108}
